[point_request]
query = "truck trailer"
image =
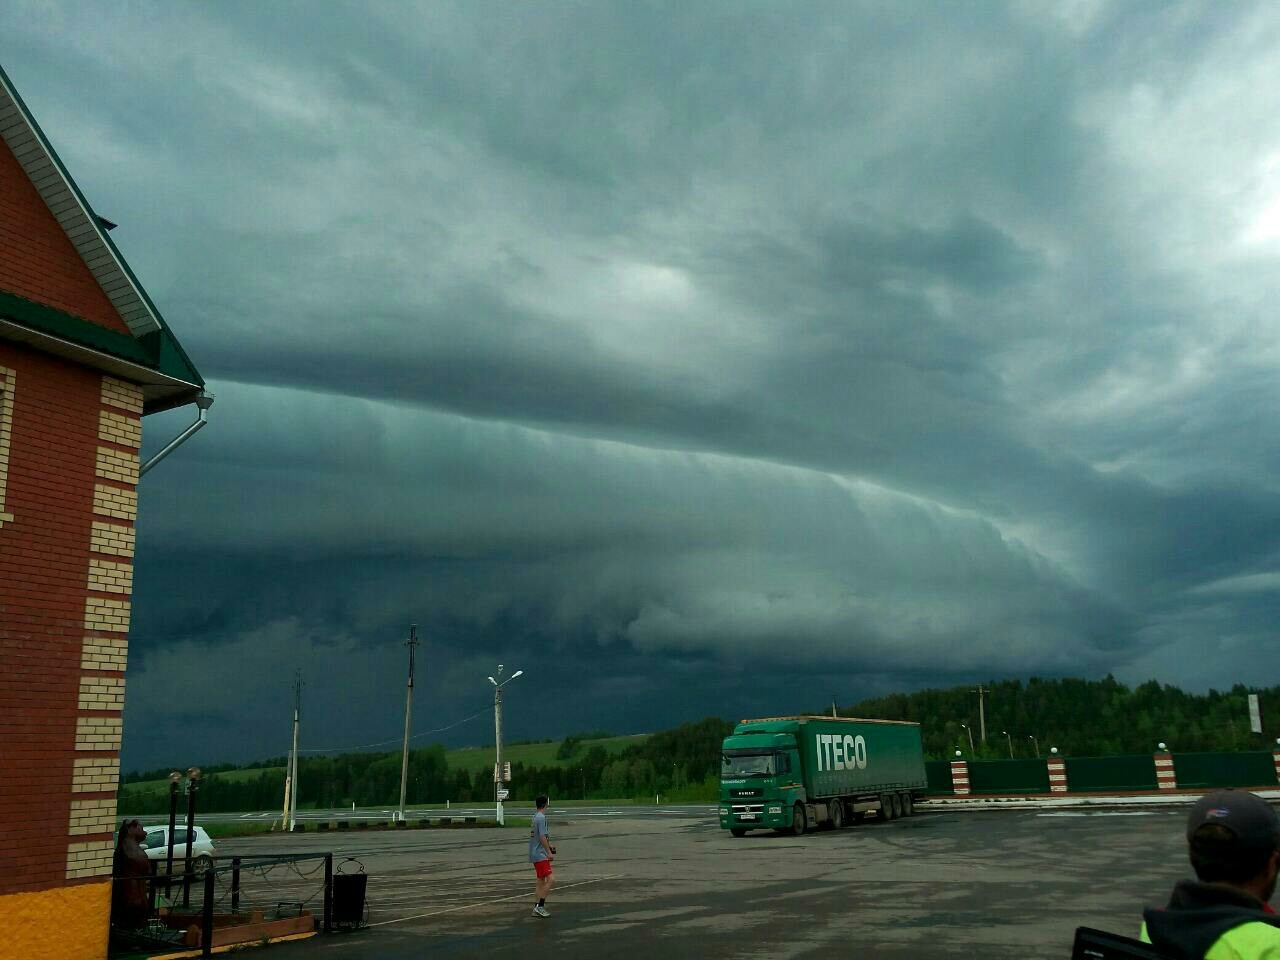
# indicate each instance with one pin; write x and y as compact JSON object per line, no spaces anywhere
{"x":797,"y":773}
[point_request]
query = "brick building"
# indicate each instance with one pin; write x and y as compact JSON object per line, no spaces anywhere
{"x":84,"y":356}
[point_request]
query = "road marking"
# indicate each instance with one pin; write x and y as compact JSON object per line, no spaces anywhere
{"x":468,"y":906}
{"x":1105,"y":813}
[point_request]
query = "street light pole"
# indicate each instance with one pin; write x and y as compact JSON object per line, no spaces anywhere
{"x":498,"y":684}
{"x":970,"y":733}
{"x":1036,"y":744}
{"x":1009,"y":737}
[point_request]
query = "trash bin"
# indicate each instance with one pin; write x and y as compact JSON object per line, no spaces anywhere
{"x":348,"y":899}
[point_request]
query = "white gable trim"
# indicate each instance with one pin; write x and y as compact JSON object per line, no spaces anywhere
{"x":33,"y":152}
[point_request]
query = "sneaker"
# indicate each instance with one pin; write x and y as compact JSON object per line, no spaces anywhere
{"x":541,"y":911}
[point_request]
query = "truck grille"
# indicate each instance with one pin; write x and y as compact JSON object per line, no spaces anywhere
{"x":756,"y":808}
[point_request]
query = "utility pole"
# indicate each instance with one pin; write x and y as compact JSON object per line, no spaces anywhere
{"x":982,"y":712}
{"x":833,"y":706}
{"x":412,"y":644}
{"x":499,"y":778}
{"x":497,"y":739}
{"x":291,"y":801}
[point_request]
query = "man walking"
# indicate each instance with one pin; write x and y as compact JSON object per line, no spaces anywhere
{"x":1234,"y":842}
{"x":541,"y":853}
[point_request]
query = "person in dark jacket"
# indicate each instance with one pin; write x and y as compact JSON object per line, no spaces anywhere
{"x":130,"y":869}
{"x":1224,"y":914}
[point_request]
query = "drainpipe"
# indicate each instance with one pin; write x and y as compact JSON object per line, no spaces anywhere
{"x":204,"y":402}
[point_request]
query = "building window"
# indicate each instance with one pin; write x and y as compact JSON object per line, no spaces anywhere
{"x":7,"y":380}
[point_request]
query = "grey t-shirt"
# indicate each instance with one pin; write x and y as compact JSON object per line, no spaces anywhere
{"x":536,"y":832}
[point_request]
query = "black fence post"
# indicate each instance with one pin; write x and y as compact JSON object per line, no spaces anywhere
{"x":173,"y":826}
{"x":206,"y":923}
{"x":328,"y":892}
{"x":235,"y":884}
{"x":193,"y":784}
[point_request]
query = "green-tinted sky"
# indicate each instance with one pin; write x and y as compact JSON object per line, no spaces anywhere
{"x":697,"y":358}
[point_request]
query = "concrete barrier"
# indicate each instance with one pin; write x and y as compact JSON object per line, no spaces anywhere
{"x":960,"y":778}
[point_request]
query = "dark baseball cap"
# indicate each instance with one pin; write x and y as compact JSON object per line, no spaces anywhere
{"x":1253,"y":821}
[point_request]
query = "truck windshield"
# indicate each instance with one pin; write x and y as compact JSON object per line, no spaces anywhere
{"x":747,"y":765}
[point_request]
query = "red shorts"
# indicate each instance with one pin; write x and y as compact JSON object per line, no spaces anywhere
{"x":542,"y":868}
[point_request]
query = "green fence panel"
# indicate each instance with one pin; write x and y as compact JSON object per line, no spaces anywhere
{"x":1133,"y":772}
{"x":1253,"y":769}
{"x":1008,"y":776}
{"x":938,"y":773}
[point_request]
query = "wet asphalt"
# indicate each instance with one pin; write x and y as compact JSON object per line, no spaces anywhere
{"x":940,"y":884}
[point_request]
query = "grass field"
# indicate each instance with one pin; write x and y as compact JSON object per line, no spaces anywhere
{"x":472,"y":759}
{"x":477,"y":759}
{"x":161,"y":786}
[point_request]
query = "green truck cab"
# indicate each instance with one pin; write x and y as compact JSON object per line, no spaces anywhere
{"x":797,"y":773}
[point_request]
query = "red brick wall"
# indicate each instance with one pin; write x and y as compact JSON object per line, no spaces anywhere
{"x":37,"y":261}
{"x":44,"y":555}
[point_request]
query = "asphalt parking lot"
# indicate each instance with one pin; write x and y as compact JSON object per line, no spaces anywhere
{"x":941,"y":884}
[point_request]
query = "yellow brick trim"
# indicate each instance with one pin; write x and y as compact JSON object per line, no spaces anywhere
{"x":113,"y":464}
{"x":89,"y":858}
{"x":112,"y":538}
{"x":102,"y":693}
{"x":119,"y":428}
{"x":111,"y":616}
{"x":96,"y":775}
{"x":114,"y":502}
{"x":104,"y":653}
{"x":122,"y":394}
{"x":7,"y":381}
{"x":92,"y":816}
{"x":108,"y":576}
{"x":65,"y":923}
{"x":98,"y":733}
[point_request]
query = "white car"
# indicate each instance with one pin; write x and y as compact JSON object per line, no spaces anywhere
{"x":156,"y":844}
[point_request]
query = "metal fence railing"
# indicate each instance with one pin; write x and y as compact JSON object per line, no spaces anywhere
{"x":242,"y":899}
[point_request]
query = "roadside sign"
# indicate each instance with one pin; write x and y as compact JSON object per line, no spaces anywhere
{"x":503,"y":794}
{"x":1255,"y":714}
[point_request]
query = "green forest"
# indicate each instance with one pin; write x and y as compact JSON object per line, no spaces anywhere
{"x":1025,"y":719}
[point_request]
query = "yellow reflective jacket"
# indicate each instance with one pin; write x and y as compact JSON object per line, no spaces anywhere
{"x":1214,"y":922}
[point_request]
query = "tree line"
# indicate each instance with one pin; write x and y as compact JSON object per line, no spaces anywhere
{"x":1079,"y":717}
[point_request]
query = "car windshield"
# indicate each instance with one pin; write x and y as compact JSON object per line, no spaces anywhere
{"x":747,"y":765}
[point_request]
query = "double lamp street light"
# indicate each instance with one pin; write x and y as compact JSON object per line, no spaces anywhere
{"x":499,"y":790}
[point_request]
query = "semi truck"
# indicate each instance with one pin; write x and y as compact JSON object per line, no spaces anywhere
{"x":799,"y":773}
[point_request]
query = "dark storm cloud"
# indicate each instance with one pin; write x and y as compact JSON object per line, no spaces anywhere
{"x":850,"y":347}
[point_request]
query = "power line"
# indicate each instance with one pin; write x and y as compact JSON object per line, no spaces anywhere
{"x":383,"y":743}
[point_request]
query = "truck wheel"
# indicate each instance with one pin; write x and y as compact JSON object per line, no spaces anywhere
{"x":908,"y":805}
{"x":897,"y":806}
{"x":799,"y":820}
{"x":738,"y":831}
{"x":888,"y":809}
{"x":837,"y":814}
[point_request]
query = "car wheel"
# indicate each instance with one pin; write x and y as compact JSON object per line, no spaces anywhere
{"x":799,"y":820}
{"x":738,"y":831}
{"x":837,"y":814}
{"x":202,"y":864}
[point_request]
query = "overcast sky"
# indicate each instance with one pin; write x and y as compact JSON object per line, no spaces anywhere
{"x":695,"y":358}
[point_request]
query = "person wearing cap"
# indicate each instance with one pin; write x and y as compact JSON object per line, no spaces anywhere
{"x":1224,"y":914}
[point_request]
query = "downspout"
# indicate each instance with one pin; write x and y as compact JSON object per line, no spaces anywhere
{"x":204,"y":402}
